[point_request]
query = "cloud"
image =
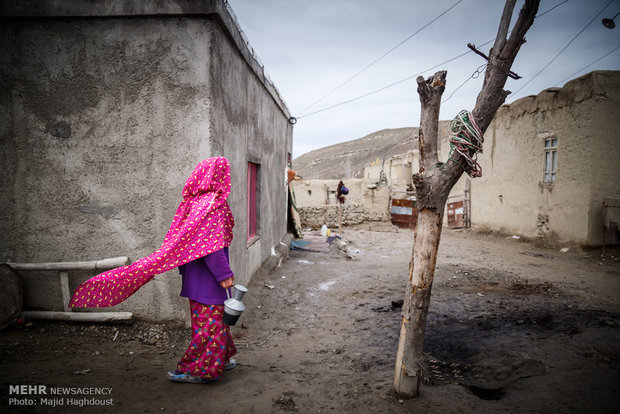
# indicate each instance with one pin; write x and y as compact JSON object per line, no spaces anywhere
{"x":309,"y":48}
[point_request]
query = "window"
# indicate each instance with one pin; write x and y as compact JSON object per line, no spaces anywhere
{"x":550,"y":167}
{"x":252,"y":199}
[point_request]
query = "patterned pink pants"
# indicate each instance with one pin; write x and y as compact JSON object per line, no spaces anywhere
{"x":212,"y":345}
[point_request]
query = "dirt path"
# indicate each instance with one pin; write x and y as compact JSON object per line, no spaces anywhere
{"x":512,"y":328}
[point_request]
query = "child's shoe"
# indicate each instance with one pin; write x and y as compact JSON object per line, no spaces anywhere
{"x":184,"y":377}
{"x":231,"y":364}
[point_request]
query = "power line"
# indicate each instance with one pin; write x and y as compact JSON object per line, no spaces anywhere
{"x":474,"y":75}
{"x":547,"y":11}
{"x":394,"y":83}
{"x":387,"y":86}
{"x":587,"y":66}
{"x":379,"y":58}
{"x":562,"y":50}
{"x":412,"y":76}
{"x":478,"y":71}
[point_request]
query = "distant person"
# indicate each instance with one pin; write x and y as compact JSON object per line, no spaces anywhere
{"x":197,"y":242}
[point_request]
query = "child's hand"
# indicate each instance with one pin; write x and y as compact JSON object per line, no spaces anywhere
{"x":227,"y":283}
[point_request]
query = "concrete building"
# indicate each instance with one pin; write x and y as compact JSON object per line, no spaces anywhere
{"x":105,"y":109}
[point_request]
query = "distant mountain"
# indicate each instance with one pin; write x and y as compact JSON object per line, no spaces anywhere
{"x":347,"y":160}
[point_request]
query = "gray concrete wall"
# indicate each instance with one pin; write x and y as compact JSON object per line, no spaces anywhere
{"x":103,"y":118}
{"x":248,"y":125}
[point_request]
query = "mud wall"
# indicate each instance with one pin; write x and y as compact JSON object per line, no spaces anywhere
{"x":397,"y":170}
{"x":317,"y":193}
{"x":511,"y":197}
{"x":605,"y":151}
{"x":361,"y":205}
{"x":104,"y":112}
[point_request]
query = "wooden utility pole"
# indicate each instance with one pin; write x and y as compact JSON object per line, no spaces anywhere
{"x":433,"y":185}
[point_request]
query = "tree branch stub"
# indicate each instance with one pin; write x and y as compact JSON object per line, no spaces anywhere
{"x":504,"y":25}
{"x":430,"y":91}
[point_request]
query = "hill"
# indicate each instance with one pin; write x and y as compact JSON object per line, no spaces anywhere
{"x":347,"y":159}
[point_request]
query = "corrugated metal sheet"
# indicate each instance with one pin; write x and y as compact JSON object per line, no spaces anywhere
{"x":404,"y":213}
{"x":456,"y":216}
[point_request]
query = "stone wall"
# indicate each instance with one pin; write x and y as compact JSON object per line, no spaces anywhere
{"x":372,"y":204}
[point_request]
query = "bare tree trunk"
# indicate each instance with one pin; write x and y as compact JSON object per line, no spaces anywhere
{"x":426,"y":243}
{"x":433,"y":186}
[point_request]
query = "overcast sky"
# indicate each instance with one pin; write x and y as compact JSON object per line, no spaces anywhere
{"x":310,"y":47}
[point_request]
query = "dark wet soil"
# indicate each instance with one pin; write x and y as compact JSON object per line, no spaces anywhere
{"x":512,"y":328}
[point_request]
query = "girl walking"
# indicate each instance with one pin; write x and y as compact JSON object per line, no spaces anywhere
{"x":197,"y":242}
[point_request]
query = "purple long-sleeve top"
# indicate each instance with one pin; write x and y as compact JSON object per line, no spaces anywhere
{"x":202,"y":277}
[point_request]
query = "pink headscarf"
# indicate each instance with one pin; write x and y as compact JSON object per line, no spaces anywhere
{"x":202,"y":224}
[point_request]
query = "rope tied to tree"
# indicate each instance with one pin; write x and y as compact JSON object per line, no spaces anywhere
{"x":466,"y":139}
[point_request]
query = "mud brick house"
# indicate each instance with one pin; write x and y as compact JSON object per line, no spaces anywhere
{"x":105,"y":109}
{"x":551,"y":167}
{"x":551,"y":164}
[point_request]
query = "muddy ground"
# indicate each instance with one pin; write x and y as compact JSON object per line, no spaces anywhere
{"x":512,"y":328}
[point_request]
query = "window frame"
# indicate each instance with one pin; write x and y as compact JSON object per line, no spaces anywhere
{"x":253,"y":189}
{"x":550,"y":161}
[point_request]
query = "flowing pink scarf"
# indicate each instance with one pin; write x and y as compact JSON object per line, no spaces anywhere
{"x":202,"y":224}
